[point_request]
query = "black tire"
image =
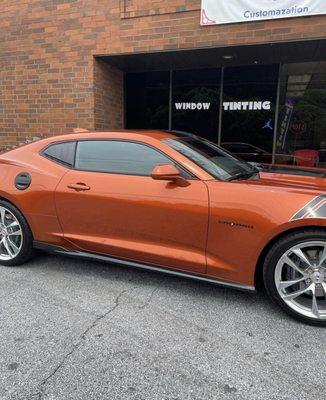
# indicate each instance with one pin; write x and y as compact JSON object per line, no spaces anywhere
{"x":26,"y":252}
{"x":270,"y":263}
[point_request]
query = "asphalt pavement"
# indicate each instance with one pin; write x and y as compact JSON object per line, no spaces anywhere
{"x":74,"y":329}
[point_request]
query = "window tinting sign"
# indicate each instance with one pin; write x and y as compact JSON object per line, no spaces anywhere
{"x":246,"y":105}
{"x":192,"y":106}
{"x":214,"y":12}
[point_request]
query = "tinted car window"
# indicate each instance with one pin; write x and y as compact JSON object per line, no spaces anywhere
{"x":119,"y":157}
{"x":210,"y":157}
{"x":63,"y":153}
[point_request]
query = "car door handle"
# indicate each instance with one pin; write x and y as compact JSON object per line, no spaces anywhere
{"x":78,"y":186}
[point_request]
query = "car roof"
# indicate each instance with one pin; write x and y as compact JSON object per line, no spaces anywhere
{"x":123,"y":133}
{"x":84,"y":134}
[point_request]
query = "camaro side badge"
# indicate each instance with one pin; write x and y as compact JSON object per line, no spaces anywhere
{"x":235,"y":224}
{"x":316,"y":208}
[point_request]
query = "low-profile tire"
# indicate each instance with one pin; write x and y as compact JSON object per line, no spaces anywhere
{"x":294,"y":275}
{"x":16,"y":238}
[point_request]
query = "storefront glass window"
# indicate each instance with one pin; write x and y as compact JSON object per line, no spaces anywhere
{"x":195,"y":101}
{"x":147,"y":100}
{"x":191,"y":102}
{"x":301,"y":135}
{"x":249,"y":100}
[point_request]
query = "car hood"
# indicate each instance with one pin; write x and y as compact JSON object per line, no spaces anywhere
{"x":294,"y":178}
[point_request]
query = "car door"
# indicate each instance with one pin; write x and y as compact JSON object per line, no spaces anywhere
{"x":109,"y":204}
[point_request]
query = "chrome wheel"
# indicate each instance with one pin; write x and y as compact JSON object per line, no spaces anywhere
{"x":11,"y":235}
{"x":300,"y":279}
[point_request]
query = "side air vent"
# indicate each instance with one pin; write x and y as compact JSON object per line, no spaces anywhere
{"x":23,"y":181}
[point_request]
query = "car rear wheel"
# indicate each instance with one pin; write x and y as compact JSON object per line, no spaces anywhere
{"x":295,"y":275}
{"x":16,"y":240}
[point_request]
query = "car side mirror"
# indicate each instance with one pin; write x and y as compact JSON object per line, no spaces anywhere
{"x":168,"y":172}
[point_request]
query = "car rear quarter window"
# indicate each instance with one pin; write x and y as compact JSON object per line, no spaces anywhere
{"x":118,"y":157}
{"x":63,"y":153}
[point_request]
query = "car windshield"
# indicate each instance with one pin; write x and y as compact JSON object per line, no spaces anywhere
{"x":213,"y":159}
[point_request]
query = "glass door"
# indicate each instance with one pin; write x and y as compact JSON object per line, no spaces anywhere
{"x":301,"y":136}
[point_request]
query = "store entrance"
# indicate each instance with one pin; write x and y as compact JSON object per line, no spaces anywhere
{"x":264,"y":103}
{"x":190,"y":100}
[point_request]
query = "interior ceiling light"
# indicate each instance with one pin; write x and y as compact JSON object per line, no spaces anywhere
{"x":227,"y":57}
{"x":295,"y":94}
{"x":299,"y":78}
{"x":297,"y":87}
{"x":298,"y":84}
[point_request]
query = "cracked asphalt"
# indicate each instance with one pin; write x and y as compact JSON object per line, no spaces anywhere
{"x":72,"y":329}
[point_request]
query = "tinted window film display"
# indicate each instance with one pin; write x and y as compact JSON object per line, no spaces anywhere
{"x":195,"y":102}
{"x":301,"y":135}
{"x":118,"y":157}
{"x":249,"y":101}
{"x":147,"y":100}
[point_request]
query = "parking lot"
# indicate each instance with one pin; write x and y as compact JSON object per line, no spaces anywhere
{"x":72,"y":329}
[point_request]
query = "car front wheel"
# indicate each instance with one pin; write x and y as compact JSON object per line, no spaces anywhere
{"x":16,"y":240}
{"x":295,"y":275}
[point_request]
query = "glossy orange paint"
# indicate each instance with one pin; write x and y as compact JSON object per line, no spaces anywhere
{"x":212,"y":228}
{"x":169,"y":172}
{"x":247,"y":215}
{"x":136,"y":217}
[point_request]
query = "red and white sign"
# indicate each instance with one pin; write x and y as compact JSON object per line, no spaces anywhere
{"x":214,"y":12}
{"x":298,"y":127}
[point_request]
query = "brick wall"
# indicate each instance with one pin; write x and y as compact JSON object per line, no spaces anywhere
{"x":49,"y":81}
{"x":108,"y":96}
{"x":141,"y":8}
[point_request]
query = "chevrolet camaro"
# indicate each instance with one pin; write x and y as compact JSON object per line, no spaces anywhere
{"x":170,"y":202}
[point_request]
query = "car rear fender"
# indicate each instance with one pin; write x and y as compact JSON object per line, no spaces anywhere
{"x":35,"y":202}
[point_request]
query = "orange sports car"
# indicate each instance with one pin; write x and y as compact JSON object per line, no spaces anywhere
{"x":169,"y":202}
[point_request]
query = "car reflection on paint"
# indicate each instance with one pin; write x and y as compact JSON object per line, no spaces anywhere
{"x":249,"y":152}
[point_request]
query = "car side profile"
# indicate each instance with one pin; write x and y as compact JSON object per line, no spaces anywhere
{"x":170,"y":202}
